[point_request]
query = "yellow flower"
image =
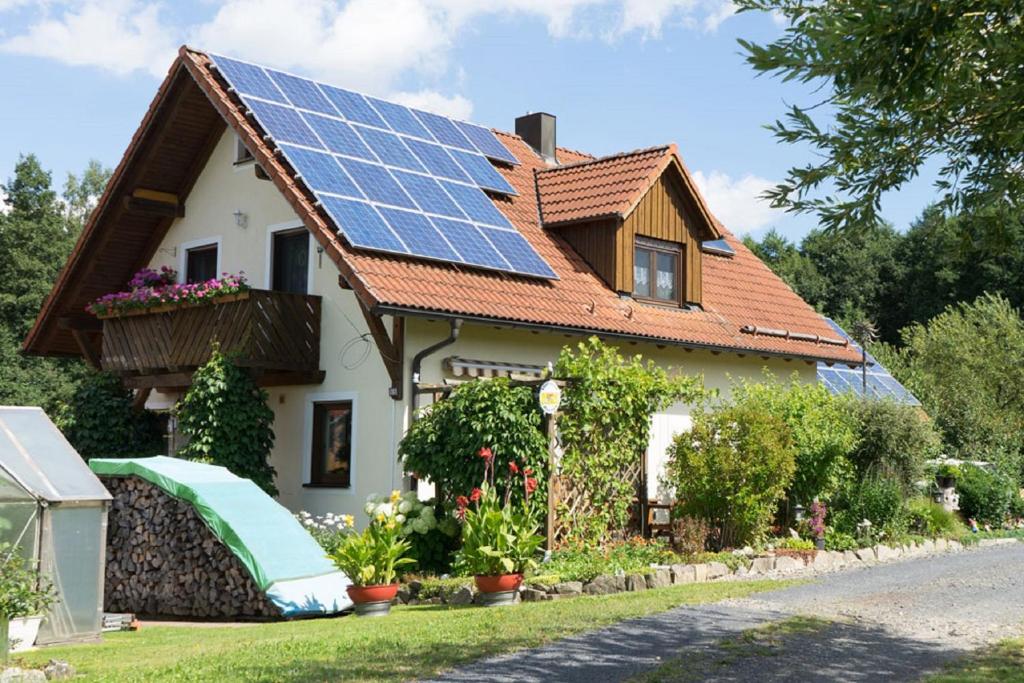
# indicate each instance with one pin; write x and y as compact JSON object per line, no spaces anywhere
{"x":348,"y":520}
{"x":381,"y":517}
{"x":396,"y":496}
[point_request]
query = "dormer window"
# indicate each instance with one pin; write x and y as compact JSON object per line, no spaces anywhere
{"x":656,"y":268}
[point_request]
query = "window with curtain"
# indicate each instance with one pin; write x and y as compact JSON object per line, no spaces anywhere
{"x":656,"y":270}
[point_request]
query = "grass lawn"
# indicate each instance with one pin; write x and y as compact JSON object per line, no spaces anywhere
{"x":1002,"y":663}
{"x":411,"y":642}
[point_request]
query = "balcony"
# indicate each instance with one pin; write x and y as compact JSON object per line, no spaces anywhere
{"x":274,"y":334}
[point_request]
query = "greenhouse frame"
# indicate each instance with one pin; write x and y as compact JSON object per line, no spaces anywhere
{"x":54,"y":510}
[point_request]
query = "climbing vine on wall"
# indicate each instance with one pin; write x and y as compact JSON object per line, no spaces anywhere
{"x":607,"y":406}
{"x":228,"y":422}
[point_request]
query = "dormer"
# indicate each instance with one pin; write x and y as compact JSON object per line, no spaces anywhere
{"x":636,"y":218}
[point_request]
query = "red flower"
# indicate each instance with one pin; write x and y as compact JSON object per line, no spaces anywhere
{"x":475,"y":495}
{"x":528,"y":471}
{"x":462,"y":502}
{"x":513,"y":468}
{"x":486,"y":453}
{"x":531,"y":485}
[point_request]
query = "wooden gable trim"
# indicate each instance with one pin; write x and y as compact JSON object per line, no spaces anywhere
{"x":690,"y":192}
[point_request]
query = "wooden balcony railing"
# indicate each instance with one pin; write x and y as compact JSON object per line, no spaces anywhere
{"x":275,"y":334}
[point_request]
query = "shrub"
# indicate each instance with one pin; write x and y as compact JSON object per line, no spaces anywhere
{"x":838,"y":540}
{"x":431,"y":542}
{"x":894,"y":441}
{"x":789,"y":543}
{"x":23,"y":592}
{"x":329,"y":530}
{"x":227,"y":421}
{"x":985,"y":496}
{"x":689,"y":535}
{"x":928,"y":518}
{"x":879,"y":500}
{"x":606,"y":415}
{"x":823,"y":429}
{"x":731,"y":470}
{"x":444,"y":442}
{"x":100,"y":422}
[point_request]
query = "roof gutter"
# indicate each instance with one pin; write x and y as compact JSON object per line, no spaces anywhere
{"x":583,"y":331}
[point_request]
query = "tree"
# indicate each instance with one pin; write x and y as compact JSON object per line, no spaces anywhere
{"x":227,"y":421}
{"x":788,"y":261}
{"x":904,"y":84}
{"x":100,"y":421}
{"x":966,"y":365}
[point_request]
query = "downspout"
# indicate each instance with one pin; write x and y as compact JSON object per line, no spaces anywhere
{"x":417,"y":361}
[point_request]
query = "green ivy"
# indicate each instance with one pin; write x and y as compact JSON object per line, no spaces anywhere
{"x":100,"y":422}
{"x":606,"y":413}
{"x":443,"y":444}
{"x":227,"y":421}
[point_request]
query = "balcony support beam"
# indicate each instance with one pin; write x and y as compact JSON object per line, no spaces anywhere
{"x":88,"y":348}
{"x":391,"y":347}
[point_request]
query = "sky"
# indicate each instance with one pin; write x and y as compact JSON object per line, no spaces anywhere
{"x":76,"y":77}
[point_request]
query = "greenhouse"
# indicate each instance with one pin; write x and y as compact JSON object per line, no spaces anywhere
{"x":54,"y":509}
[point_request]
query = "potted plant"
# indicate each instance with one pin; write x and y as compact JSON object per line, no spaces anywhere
{"x":499,"y":538}
{"x":370,"y":559}
{"x":817,"y":524}
{"x":946,"y":475}
{"x":24,"y":596}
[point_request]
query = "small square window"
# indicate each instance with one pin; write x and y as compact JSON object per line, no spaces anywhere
{"x":332,"y":444}
{"x":656,"y":267}
{"x":201,"y":263}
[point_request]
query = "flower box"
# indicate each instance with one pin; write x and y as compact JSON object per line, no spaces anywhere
{"x":166,"y":307}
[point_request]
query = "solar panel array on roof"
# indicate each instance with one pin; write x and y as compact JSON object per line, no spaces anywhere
{"x":840,"y":379}
{"x":391,"y":178}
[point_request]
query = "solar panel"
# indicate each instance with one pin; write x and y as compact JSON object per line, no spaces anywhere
{"x":378,"y":171}
{"x":302,"y":92}
{"x":353,"y":106}
{"x":400,"y":118}
{"x":416,"y":230}
{"x":338,"y":136}
{"x":437,"y":160}
{"x":470,"y":243}
{"x":880,"y":384}
{"x":476,"y":204}
{"x":283,"y":123}
{"x":377,"y":184}
{"x":320,"y":171}
{"x":361,"y":224}
{"x":428,"y":194}
{"x":486,"y":142}
{"x":249,"y":79}
{"x":444,"y":130}
{"x":390,"y":149}
{"x":481,"y":171}
{"x":517,"y":251}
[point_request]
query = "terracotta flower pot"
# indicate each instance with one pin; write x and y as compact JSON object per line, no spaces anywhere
{"x":498,"y":589}
{"x":373,"y":601}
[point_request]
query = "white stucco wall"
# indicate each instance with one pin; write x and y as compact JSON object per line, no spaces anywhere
{"x":353,"y":366}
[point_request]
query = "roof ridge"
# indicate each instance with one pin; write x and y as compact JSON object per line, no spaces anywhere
{"x":610,"y":157}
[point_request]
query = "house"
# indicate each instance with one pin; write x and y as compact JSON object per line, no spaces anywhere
{"x":370,"y":292}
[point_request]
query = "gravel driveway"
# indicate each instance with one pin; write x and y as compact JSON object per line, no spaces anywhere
{"x":891,"y":622}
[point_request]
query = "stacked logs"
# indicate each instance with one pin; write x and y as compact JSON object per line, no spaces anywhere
{"x":163,"y":560}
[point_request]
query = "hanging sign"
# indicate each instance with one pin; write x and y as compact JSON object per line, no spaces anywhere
{"x":550,"y":397}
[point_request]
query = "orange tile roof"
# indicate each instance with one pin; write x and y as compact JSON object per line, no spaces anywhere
{"x":609,"y":186}
{"x":739,"y":291}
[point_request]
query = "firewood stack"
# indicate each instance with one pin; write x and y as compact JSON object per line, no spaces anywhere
{"x":163,"y":560}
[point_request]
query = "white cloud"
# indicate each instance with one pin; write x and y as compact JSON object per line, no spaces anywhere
{"x":4,"y":206}
{"x":121,"y":36}
{"x":737,"y":202}
{"x":456,"y":106}
{"x":365,"y":44}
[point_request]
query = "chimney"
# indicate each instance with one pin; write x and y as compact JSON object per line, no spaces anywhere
{"x":538,"y":130}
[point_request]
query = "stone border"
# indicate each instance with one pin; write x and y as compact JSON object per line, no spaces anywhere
{"x":768,"y":566}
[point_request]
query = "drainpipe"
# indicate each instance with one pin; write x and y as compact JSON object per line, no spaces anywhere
{"x":417,"y":361}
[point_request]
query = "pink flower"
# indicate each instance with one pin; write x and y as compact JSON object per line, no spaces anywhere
{"x":486,"y":453}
